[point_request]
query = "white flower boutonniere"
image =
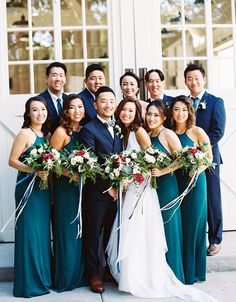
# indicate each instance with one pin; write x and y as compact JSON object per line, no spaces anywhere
{"x":202,"y":105}
{"x":118,"y":131}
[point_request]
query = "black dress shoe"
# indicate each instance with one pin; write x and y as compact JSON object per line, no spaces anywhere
{"x":96,"y":285}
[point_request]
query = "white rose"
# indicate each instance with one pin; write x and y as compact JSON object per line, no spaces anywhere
{"x":116,"y":172}
{"x":107,"y":169}
{"x":79,"y":159}
{"x":40,"y":150}
{"x":34,"y":152}
{"x":136,"y":170}
{"x":73,"y":161}
{"x":151,"y":150}
{"x":149,"y":158}
{"x":134,"y":155}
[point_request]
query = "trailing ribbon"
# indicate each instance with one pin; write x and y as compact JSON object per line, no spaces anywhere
{"x":78,"y":217}
{"x":178,"y":200}
{"x":119,"y":206}
{"x":23,"y":200}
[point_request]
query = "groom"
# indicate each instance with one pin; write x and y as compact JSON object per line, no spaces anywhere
{"x":100,"y":198}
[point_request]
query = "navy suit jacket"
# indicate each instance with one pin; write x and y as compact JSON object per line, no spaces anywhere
{"x":166,"y":98}
{"x":97,"y":137}
{"x":212,"y":120}
{"x":90,"y":111}
{"x":54,"y":117}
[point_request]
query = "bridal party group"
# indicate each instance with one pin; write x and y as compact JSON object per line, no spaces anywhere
{"x":149,"y":249}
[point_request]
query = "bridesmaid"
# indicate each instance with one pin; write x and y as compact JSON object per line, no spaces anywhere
{"x":130,"y":86}
{"x":32,"y":275}
{"x":194,"y":206}
{"x":69,"y":262}
{"x":167,"y":186}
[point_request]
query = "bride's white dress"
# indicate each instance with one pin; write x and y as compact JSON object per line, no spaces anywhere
{"x":143,"y":270}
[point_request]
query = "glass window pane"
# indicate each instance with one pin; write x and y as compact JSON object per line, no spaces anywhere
{"x":18,"y":46}
{"x":221,"y":12}
{"x":97,"y":46}
{"x":171,"y":43}
{"x":72,"y":44}
{"x":17,"y":13}
{"x":42,"y":13}
{"x":219,"y":78}
{"x":19,"y":79}
{"x":39,"y":77}
{"x":75,"y":77}
{"x":194,"y":11}
{"x":71,"y":13}
{"x":174,"y":74}
{"x":96,"y":12}
{"x":43,"y":45}
{"x":196,"y":42}
{"x":222,"y":38}
{"x":170,"y":12}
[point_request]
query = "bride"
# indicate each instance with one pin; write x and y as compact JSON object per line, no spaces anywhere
{"x":138,"y":262}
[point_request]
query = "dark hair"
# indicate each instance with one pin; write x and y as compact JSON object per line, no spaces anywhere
{"x":137,"y":122}
{"x":65,"y":121}
{"x":92,"y":68}
{"x":130,"y":74}
{"x":192,"y":67}
{"x":161,"y":75}
{"x":191,"y":121}
{"x":55,"y":64}
{"x":27,"y":119}
{"x":160,"y":105}
{"x":103,"y":89}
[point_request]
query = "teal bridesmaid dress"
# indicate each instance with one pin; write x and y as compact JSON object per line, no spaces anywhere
{"x":167,"y":190}
{"x":32,"y":264}
{"x":69,"y":257}
{"x":194,"y":219}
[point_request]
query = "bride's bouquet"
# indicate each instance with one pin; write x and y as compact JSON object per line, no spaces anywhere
{"x":44,"y":158}
{"x":80,"y":161}
{"x":192,"y":158}
{"x":123,"y":169}
{"x":154,"y":158}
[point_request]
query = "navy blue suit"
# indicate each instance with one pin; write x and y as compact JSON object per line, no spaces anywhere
{"x":54,"y":117}
{"x":212,"y":120}
{"x":90,"y":111}
{"x":99,"y":208}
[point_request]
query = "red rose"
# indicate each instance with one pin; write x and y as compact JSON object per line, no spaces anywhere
{"x":193,"y":151}
{"x":47,"y":156}
{"x":139,"y":178}
{"x":80,"y":153}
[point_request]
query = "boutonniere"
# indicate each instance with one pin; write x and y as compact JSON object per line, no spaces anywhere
{"x":118,"y":131}
{"x":202,"y":105}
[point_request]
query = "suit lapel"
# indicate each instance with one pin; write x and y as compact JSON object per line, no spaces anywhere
{"x":102,"y":128}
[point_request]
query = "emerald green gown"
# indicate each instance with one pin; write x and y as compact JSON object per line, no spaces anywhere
{"x":167,"y":190}
{"x":32,"y":272}
{"x":69,"y":258}
{"x":194,"y":219}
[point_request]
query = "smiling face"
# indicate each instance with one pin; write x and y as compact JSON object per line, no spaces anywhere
{"x":129,"y":87}
{"x":38,"y":113}
{"x":195,"y":82}
{"x":154,"y":118}
{"x":127,"y":113}
{"x":180,"y":112}
{"x":155,"y":85}
{"x":95,"y":80}
{"x":76,"y":110}
{"x":105,"y":105}
{"x":56,"y":80}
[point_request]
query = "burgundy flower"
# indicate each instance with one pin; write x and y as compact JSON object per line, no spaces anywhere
{"x":80,"y":153}
{"x":193,"y":151}
{"x":139,"y":178}
{"x":47,"y":156}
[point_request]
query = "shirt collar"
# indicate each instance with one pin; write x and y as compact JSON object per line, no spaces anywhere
{"x":101,"y":119}
{"x":55,"y":97}
{"x":200,"y":95}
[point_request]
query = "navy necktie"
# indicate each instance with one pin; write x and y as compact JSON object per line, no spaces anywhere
{"x":59,"y":106}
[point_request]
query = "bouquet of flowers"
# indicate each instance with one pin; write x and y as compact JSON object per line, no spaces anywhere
{"x":44,"y":158}
{"x":191,"y":158}
{"x":154,"y":158}
{"x":82,"y":161}
{"x":124,"y":169}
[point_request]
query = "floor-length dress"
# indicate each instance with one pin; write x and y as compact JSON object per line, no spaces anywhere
{"x":32,"y":269}
{"x":168,"y":190}
{"x":140,"y":266}
{"x":194,"y":220}
{"x":68,"y":249}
